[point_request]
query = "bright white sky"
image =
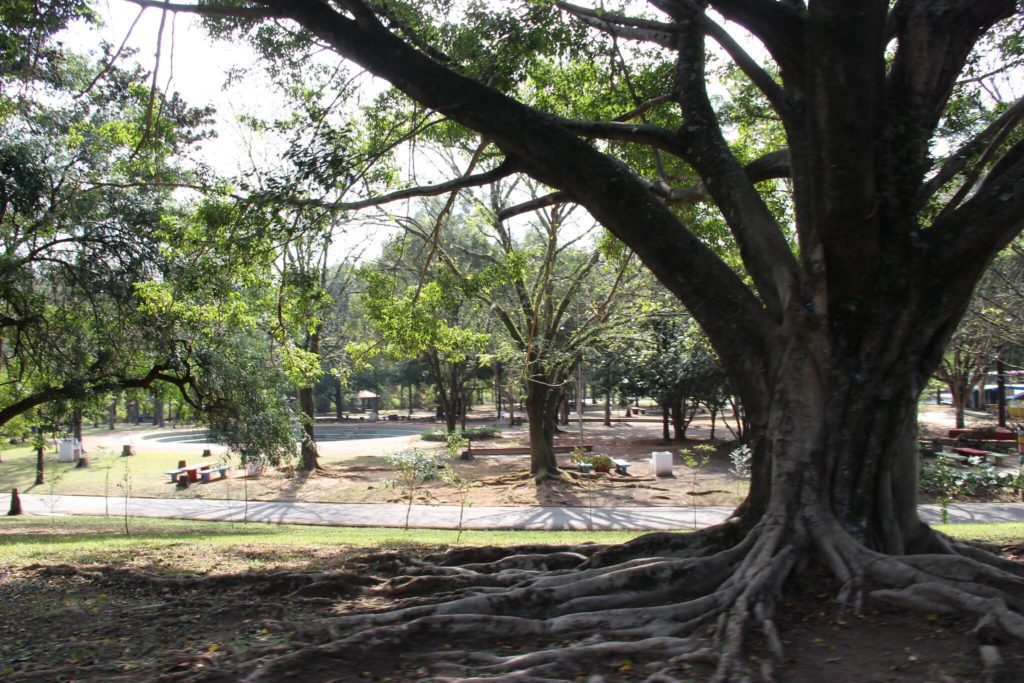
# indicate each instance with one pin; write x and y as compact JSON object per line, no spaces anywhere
{"x":197,"y":67}
{"x":192,"y":65}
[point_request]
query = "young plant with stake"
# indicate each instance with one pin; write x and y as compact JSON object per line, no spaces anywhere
{"x":741,"y":463}
{"x":456,"y":442}
{"x":414,"y":467}
{"x":126,"y":488}
{"x":695,"y":459}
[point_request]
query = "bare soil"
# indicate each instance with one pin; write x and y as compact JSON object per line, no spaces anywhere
{"x":141,"y":621}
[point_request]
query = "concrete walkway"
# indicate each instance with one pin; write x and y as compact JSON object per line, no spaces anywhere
{"x":447,"y":516}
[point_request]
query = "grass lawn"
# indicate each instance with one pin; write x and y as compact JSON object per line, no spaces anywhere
{"x":106,"y":470}
{"x":226,"y":546}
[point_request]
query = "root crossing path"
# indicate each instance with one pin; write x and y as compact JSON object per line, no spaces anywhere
{"x":447,"y":516}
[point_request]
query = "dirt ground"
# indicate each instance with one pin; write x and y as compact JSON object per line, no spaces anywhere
{"x":357,"y":472}
{"x":505,"y":480}
{"x":362,"y":475}
{"x":142,"y":621}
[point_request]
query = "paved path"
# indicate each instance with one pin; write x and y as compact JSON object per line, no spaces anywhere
{"x":446,"y":516}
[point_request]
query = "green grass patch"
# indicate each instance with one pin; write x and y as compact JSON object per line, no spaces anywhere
{"x":144,"y":473}
{"x":102,"y":540}
{"x":222,"y":546}
{"x":1004,"y":533}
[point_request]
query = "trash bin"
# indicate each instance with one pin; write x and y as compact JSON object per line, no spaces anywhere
{"x":661,"y":463}
{"x":69,"y":450}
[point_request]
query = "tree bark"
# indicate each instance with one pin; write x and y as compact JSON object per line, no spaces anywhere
{"x":563,"y":407}
{"x":158,"y":412}
{"x":307,"y":414}
{"x":680,"y":420}
{"x":76,"y":427}
{"x":40,"y":467}
{"x":541,"y":402}
{"x":665,"y":419}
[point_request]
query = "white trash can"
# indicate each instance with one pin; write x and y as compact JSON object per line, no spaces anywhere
{"x":661,"y":463}
{"x":69,"y":450}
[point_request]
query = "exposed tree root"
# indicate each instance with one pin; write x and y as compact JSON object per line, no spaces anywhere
{"x":664,"y":599}
{"x":660,"y":602}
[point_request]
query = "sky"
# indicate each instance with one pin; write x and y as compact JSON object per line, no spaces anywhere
{"x":198,"y":68}
{"x":191,"y":64}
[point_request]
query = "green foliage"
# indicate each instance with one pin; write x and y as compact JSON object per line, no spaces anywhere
{"x":741,"y":458}
{"x":468,"y":433}
{"x":414,"y":467}
{"x":413,"y":321}
{"x":244,"y":403}
{"x":944,"y":480}
{"x":598,"y":461}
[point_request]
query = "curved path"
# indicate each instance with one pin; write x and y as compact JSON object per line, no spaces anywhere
{"x":447,"y":516}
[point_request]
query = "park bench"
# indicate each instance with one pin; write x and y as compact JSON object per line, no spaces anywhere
{"x":621,"y":466}
{"x":519,"y":450}
{"x":954,"y":459}
{"x":195,"y":472}
{"x":206,"y":473}
{"x":998,"y":459}
{"x":174,"y":473}
{"x":995,"y":458}
{"x":970,"y":452}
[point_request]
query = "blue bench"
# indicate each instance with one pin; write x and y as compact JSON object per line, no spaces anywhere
{"x":621,"y":466}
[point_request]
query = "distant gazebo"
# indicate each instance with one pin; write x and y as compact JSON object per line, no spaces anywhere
{"x":367,"y":400}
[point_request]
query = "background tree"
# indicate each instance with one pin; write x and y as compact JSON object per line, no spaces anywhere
{"x":85,"y":169}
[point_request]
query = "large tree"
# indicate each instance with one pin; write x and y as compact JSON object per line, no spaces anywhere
{"x":841,"y":315}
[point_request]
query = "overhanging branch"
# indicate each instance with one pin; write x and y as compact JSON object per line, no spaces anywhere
{"x":503,"y":170}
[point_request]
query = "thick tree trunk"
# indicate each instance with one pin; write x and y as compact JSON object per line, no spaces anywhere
{"x":158,"y":412}
{"x":840,"y":448}
{"x":541,"y":402}
{"x":679,"y":421}
{"x":307,"y":415}
{"x":76,"y":427}
{"x":40,"y":467}
{"x":665,"y":419}
{"x":463,"y":407}
{"x":958,"y":396}
{"x":339,"y":403}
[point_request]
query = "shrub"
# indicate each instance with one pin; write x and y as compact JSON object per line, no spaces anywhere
{"x":440,"y":435}
{"x":741,"y":461}
{"x":944,"y":480}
